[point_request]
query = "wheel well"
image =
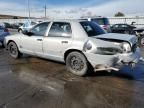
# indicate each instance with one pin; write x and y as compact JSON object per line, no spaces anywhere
{"x":10,"y":41}
{"x":72,"y":50}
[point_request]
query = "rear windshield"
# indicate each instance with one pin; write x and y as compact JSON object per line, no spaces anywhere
{"x":101,"y":21}
{"x":92,"y":29}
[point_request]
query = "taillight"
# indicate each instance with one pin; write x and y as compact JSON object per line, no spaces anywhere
{"x":6,"y":30}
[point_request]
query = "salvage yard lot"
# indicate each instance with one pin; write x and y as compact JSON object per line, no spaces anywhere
{"x":31,"y":82}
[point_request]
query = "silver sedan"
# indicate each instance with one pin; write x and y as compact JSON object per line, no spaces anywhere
{"x":82,"y":45}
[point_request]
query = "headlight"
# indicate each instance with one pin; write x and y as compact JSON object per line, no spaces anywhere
{"x":126,"y":47}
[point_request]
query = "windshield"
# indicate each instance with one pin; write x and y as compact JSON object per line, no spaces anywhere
{"x":92,"y":29}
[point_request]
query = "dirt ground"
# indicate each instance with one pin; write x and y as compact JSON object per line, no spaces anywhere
{"x":31,"y":82}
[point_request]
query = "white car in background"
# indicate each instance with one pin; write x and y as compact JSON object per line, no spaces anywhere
{"x":82,"y":45}
{"x":26,"y":26}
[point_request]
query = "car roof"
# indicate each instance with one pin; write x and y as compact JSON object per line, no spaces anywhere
{"x":64,"y":20}
{"x":121,"y":24}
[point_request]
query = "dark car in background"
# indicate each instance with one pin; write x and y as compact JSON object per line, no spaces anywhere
{"x":3,"y":33}
{"x":123,"y":28}
{"x":5,"y":25}
{"x":16,"y":25}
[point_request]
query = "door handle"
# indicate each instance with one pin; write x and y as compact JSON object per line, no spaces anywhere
{"x":64,"y":42}
{"x":39,"y":39}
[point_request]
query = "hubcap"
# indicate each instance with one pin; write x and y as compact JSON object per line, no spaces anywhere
{"x":13,"y":50}
{"x":77,"y":64}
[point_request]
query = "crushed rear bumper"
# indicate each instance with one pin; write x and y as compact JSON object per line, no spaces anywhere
{"x":113,"y":62}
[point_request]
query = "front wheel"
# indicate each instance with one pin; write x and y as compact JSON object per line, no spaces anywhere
{"x":13,"y":50}
{"x":77,"y":63}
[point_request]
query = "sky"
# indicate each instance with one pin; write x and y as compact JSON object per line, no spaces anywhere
{"x":72,"y":8}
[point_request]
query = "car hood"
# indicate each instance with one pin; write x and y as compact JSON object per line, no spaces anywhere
{"x":132,"y":39}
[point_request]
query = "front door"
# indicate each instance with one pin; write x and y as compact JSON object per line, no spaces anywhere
{"x":33,"y":43}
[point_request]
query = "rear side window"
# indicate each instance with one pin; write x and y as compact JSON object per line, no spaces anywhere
{"x":92,"y":29}
{"x":59,"y":28}
{"x":101,"y":21}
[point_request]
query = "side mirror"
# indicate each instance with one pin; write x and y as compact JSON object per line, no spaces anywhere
{"x":25,"y":32}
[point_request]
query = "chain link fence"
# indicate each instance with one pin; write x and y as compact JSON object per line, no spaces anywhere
{"x":138,"y":21}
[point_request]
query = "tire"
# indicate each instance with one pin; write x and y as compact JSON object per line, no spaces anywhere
{"x":77,"y":63}
{"x":141,"y":41}
{"x":20,"y":30}
{"x":13,"y":50}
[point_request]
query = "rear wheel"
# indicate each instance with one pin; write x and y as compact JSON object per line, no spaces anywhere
{"x":77,"y":63}
{"x":13,"y":50}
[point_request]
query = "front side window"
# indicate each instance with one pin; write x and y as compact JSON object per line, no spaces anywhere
{"x":59,"y":28}
{"x":92,"y":29}
{"x":40,"y":29}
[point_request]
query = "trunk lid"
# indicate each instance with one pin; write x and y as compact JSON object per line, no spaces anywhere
{"x":132,"y":39}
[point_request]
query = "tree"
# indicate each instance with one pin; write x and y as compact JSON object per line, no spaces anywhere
{"x":119,"y":14}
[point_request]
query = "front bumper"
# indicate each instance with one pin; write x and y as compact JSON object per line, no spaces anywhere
{"x":113,"y":62}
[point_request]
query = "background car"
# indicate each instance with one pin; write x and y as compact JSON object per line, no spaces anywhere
{"x":6,"y":25}
{"x":26,"y":26}
{"x":139,"y":32}
{"x":123,"y":28}
{"x":3,"y":33}
{"x":16,"y":25}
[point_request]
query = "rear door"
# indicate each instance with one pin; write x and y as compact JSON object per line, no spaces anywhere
{"x":58,"y":40}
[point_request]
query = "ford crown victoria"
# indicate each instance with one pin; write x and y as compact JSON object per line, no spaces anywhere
{"x":81,"y":45}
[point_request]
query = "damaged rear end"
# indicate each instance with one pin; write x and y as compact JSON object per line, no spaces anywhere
{"x":112,"y":51}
